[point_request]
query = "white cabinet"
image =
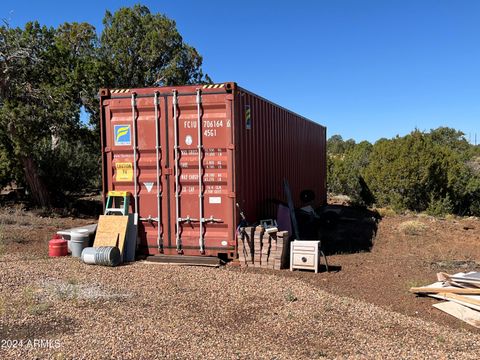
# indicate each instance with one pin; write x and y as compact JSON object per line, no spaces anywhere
{"x":305,"y":255}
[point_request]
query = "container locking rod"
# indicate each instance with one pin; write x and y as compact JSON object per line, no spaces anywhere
{"x":134,"y":121}
{"x":159,"y":191}
{"x":178,"y":240}
{"x":201,"y":240}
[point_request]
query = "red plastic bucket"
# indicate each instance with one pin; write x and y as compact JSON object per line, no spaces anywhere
{"x":57,"y":247}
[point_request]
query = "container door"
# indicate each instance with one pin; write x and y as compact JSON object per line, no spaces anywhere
{"x":134,"y":159}
{"x":202,"y":180}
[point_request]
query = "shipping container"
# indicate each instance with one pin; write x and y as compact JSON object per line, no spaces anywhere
{"x":189,"y":154}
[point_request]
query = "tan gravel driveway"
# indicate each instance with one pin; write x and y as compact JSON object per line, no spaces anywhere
{"x":153,"y":311}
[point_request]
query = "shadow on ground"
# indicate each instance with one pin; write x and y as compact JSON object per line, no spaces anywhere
{"x":342,"y":229}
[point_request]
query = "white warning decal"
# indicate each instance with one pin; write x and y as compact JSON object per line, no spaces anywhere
{"x":214,"y":200}
{"x":148,"y":185}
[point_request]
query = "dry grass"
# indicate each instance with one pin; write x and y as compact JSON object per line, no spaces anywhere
{"x":12,"y":215}
{"x":27,"y":233}
{"x":412,"y":227}
{"x":18,"y":217}
{"x":32,"y":303}
{"x":386,"y":212}
{"x":415,"y":283}
{"x":290,"y":296}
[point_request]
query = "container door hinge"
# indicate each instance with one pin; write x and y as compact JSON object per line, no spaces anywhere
{"x":231,"y":147}
{"x":107,"y":149}
{"x":168,"y":171}
{"x":231,"y":194}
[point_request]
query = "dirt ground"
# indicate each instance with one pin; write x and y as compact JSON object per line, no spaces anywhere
{"x":373,"y":261}
{"x":380,"y":263}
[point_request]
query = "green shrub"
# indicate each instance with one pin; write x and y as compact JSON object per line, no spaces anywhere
{"x":440,"y":207}
{"x":436,"y":171}
{"x":72,"y":166}
{"x":345,"y":173}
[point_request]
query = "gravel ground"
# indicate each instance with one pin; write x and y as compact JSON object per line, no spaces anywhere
{"x":147,"y":311}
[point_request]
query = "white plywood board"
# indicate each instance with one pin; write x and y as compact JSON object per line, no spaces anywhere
{"x":471,"y":317}
{"x":470,"y":301}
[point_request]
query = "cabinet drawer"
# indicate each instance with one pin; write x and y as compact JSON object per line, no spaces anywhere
{"x":306,"y":248}
{"x":304,"y":259}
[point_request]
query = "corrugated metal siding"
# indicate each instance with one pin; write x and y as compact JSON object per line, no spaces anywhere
{"x":280,"y":144}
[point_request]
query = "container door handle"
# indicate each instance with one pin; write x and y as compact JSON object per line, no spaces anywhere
{"x":187,"y":219}
{"x":211,"y":219}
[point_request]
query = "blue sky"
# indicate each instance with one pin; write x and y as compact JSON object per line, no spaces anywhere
{"x":365,"y":69}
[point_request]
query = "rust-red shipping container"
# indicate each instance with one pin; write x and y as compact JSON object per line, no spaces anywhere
{"x":189,"y":154}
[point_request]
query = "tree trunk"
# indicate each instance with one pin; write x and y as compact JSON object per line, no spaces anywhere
{"x":40,"y":194}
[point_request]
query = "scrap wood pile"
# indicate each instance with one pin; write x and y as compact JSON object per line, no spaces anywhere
{"x":461,"y":292}
{"x":257,"y":247}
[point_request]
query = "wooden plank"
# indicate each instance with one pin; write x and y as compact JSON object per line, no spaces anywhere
{"x":461,"y":312}
{"x":464,"y":299}
{"x":466,"y":282}
{"x":472,"y":302}
{"x":446,"y":290}
{"x":446,"y":279}
{"x":460,"y":279}
{"x":111,"y":231}
{"x":473,"y":276}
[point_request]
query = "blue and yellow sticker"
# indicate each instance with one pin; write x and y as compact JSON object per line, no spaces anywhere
{"x":122,"y":134}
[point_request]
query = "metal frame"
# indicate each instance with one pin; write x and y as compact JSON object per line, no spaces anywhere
{"x":167,"y":95}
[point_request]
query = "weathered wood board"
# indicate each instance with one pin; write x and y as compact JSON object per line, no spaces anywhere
{"x":471,"y":301}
